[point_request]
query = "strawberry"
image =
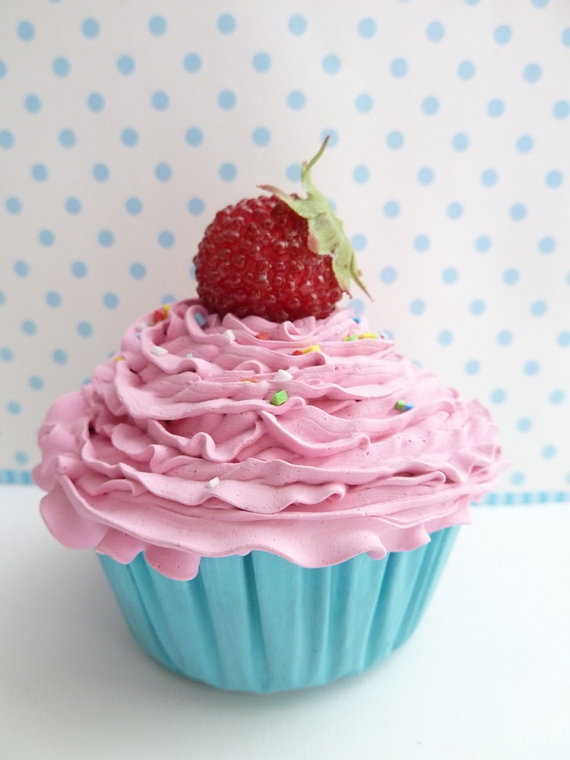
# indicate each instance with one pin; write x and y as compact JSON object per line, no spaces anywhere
{"x":279,"y":256}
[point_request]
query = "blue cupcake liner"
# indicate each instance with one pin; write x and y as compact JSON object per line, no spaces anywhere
{"x":260,"y":623}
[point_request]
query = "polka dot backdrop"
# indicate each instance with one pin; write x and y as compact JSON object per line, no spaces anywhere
{"x":126,"y":125}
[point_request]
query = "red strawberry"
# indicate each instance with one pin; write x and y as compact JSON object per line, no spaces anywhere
{"x":280,"y":256}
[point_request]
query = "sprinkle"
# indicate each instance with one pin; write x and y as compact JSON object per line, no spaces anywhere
{"x":249,"y":380}
{"x":356,"y":319}
{"x":282,"y":374}
{"x":262,"y":336}
{"x":403,"y":406}
{"x":308,"y":350}
{"x":200,"y":318}
{"x":368,"y":335}
{"x":230,"y":334}
{"x":118,"y":358}
{"x":213,"y":483}
{"x":354,"y":336}
{"x":158,"y":350}
{"x":157,"y":316}
{"x":189,"y":355}
{"x":278,"y":398}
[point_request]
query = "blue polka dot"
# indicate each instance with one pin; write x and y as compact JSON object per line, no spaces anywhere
{"x":29,"y":327}
{"x":227,"y":99}
{"x":557,"y":396}
{"x":540,"y":3}
{"x":2,"y":298}
{"x":466,"y":70}
{"x":228,"y":172}
{"x":90,"y":28}
{"x":332,"y":134}
{"x":95,"y":102}
{"x":111,"y":300}
{"x":450,"y":275}
{"x":361,"y":174}
{"x":46,"y":237}
{"x":460,"y":142}
{"x":538,"y":308}
{"x":363,"y":103}
{"x":425,"y":176}
{"x":59,"y":356}
{"x":6,"y":354}
{"x":39,"y":172}
{"x":196,"y":206}
{"x":548,"y":452}
{"x":163,"y":172}
{"x":61,"y":67}
{"x":32,"y":104}
{"x":517,"y":212}
{"x":13,"y":407}
{"x":84,"y":329}
{"x":133,"y":206}
{"x":435,"y":31}
{"x":395,"y":140}
{"x":125,"y":64}
{"x":67,"y":138}
{"x":6,"y":139}
{"x":21,"y":457}
{"x":421,"y":243}
{"x":358,"y":242}
{"x":166,"y":239}
{"x":261,"y":136}
{"x":331,"y":64}
{"x":502,"y":34}
{"x":296,"y":100}
{"x":137,"y":270}
{"x":565,"y":37}
{"x":524,"y":144}
{"x":532,"y":73}
{"x":498,"y":396}
{"x":192,"y":63}
{"x":297,"y":24}
{"x":53,"y":299}
{"x":454,"y":210}
{"x":495,"y":107}
{"x":472,"y":367}
{"x":563,"y":339}
{"x":129,"y":137}
{"x":531,"y":367}
{"x":78,"y":269}
{"x":388,"y":275}
{"x":226,"y":23}
{"x":477,"y":307}
{"x":26,"y":31}
{"x":160,"y":101}
{"x":445,"y":338}
{"x":3,"y":69}
{"x":546,"y":245}
{"x":554,"y":178}
{"x":157,"y":26}
{"x":517,"y":478}
{"x":430,"y":105}
{"x":523,"y":424}
{"x":399,"y":67}
{"x":367,"y":28}
{"x":101,"y":172}
{"x":417,"y":307}
{"x":194,"y":136}
{"x":36,"y":382}
{"x":391,"y":209}
{"x":73,"y":205}
{"x":13,"y":205}
{"x":489,"y":178}
{"x":261,"y":62}
{"x":293,"y":172}
{"x":504,"y":338}
{"x":511,"y":276}
{"x":483,"y":243}
{"x":21,"y":268}
{"x":105,"y":238}
{"x":561,"y":109}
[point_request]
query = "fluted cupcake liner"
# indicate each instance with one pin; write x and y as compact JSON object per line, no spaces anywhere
{"x":260,"y":623}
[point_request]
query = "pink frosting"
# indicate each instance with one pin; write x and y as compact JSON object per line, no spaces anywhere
{"x":175,"y":448}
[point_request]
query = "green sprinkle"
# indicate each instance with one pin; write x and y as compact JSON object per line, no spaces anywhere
{"x":403,"y":406}
{"x":278,"y":398}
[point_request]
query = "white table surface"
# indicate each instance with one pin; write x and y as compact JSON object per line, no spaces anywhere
{"x":486,"y":675}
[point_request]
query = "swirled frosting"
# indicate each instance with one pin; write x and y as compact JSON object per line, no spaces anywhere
{"x":180,"y":447}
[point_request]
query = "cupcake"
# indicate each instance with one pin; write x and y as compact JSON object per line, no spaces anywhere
{"x":272,"y":488}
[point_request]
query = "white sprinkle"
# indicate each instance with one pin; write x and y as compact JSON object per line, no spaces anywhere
{"x":189,"y":355}
{"x":158,"y":350}
{"x":282,"y":374}
{"x":230,"y":334}
{"x":213,"y":483}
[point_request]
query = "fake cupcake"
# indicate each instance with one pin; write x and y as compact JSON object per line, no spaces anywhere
{"x":272,"y":488}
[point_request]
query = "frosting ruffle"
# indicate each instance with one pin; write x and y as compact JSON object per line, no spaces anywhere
{"x":180,"y":447}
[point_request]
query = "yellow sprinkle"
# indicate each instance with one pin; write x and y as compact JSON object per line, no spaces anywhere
{"x":249,"y":380}
{"x":368,"y":335}
{"x":308,"y":350}
{"x":118,"y":358}
{"x":166,"y":308}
